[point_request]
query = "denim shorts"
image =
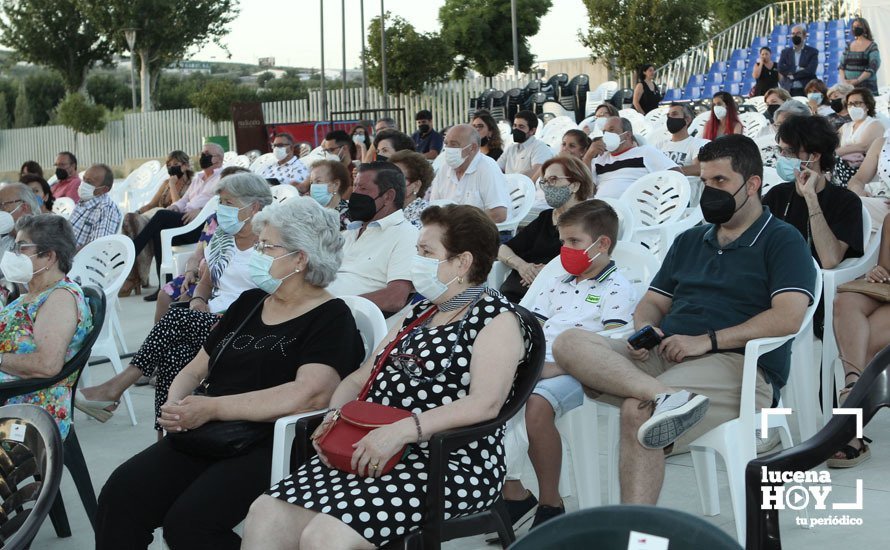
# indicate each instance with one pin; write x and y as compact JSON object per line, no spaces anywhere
{"x":563,"y":392}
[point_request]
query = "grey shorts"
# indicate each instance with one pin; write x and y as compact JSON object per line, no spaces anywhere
{"x":563,"y":392}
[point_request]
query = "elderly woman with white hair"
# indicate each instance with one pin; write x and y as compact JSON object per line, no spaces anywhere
{"x":280,"y":349}
{"x":179,"y":334}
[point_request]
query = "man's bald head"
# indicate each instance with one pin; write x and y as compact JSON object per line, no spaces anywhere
{"x":464,"y":134}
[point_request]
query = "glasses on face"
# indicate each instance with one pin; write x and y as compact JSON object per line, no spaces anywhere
{"x":5,"y":203}
{"x":17,"y":247}
{"x":855,"y":104}
{"x":277,"y":145}
{"x":262,"y":246}
{"x":333,"y":150}
{"x":552,"y":180}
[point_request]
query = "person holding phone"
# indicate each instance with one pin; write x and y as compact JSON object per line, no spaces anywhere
{"x":765,"y":72}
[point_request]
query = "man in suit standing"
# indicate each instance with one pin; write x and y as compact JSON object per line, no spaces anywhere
{"x":797,"y":64}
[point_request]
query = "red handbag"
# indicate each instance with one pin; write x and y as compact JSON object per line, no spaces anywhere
{"x":357,"y":418}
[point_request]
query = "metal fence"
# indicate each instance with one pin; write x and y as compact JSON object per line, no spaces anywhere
{"x":698,"y":59}
{"x":154,"y":134}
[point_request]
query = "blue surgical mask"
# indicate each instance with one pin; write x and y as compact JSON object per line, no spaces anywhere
{"x":786,"y":167}
{"x":319,"y":192}
{"x":39,"y":201}
{"x":259,"y":267}
{"x":227,"y":218}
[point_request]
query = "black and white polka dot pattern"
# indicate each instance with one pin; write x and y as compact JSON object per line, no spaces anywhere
{"x":392,"y":505}
{"x":170,"y":345}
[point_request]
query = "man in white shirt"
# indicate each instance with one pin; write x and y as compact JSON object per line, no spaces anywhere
{"x":468,"y":177}
{"x":682,"y":148}
{"x":380,"y":242}
{"x":289,"y":170}
{"x":623,"y":162}
{"x":527,"y":153}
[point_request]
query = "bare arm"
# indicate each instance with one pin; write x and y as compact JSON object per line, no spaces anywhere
{"x":783,"y":318}
{"x":874,"y":132}
{"x":156,"y":200}
{"x":693,"y":169}
{"x":867,"y":170}
{"x":638,"y":93}
{"x":651,"y":309}
{"x":53,"y":329}
{"x":431,"y":154}
{"x":392,"y":297}
{"x":498,"y":214}
{"x":831,"y":250}
{"x":755,"y":73}
{"x":534,"y":172}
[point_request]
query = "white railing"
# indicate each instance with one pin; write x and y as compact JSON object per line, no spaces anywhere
{"x":698,"y":59}
{"x":154,"y":134}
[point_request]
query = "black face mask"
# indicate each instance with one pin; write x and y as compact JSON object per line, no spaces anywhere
{"x":519,"y":136}
{"x":424,"y":128}
{"x":206,"y":161}
{"x":61,"y":174}
{"x":718,"y":206}
{"x":796,"y":40}
{"x":381,"y":158}
{"x":175,"y":171}
{"x":837,"y":105}
{"x":362,"y":208}
{"x":674,"y":125}
{"x":771,"y":111}
{"x":858,"y":31}
{"x":485,"y":141}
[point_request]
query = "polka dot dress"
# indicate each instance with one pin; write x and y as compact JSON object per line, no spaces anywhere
{"x":392,"y":505}
{"x":884,"y":167}
{"x":169,"y":347}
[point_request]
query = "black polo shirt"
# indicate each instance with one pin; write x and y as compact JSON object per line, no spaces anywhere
{"x":841,"y":207}
{"x":717,"y":288}
{"x":431,"y":141}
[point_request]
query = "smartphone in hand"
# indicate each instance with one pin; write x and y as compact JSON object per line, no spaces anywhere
{"x":645,"y":338}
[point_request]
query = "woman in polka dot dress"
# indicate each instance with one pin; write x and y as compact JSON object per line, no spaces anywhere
{"x":454,"y":369}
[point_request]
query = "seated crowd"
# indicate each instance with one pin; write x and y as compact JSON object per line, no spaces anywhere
{"x":254,"y":329}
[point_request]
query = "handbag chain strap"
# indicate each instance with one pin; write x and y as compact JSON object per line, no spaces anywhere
{"x":205,"y":382}
{"x":379,"y":365}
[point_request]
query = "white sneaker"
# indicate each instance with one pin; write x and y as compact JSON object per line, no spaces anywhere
{"x":674,"y":414}
{"x":768,"y":444}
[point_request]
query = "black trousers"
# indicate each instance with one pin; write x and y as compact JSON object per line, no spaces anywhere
{"x":197,"y":501}
{"x":151,"y":233}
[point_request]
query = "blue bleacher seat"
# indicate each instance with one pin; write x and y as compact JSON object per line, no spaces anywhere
{"x":737,"y":65}
{"x":714,"y":80}
{"x":696,"y":80}
{"x":672,"y":94}
{"x":709,"y":91}
{"x":734,"y":77}
{"x":781,"y":29}
{"x":718,"y":67}
{"x":836,"y":24}
{"x":816,"y":26}
{"x":759,"y":42}
{"x":834,"y":34}
{"x":740,"y":54}
{"x":735,"y":89}
{"x":692,"y":92}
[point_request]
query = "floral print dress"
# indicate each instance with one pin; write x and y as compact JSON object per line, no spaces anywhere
{"x":17,"y":337}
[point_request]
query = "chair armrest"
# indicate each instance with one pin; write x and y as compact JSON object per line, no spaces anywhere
{"x":498,"y":274}
{"x":303,"y":449}
{"x":21,"y":387}
{"x":285,"y":432}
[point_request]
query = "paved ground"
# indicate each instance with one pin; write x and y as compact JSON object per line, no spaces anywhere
{"x":108,"y":445}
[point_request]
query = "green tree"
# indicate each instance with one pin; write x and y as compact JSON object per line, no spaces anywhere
{"x":44,"y":90}
{"x":175,"y":91}
{"x":633,"y":32}
{"x":4,"y":113}
{"x":77,"y":113}
{"x":23,"y":115}
{"x":413,"y":59}
{"x":167,"y":30}
{"x":215,"y":99}
{"x":110,"y":91}
{"x":55,"y":34}
{"x":264,"y":78}
{"x":727,"y":12}
{"x":481,"y":35}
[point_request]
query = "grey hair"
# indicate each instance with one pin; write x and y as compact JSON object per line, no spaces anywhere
{"x":25,"y":194}
{"x":793,"y":107}
{"x":248,"y":187}
{"x":51,"y":233}
{"x":219,"y":150}
{"x":305,"y":226}
{"x":801,"y":27}
{"x":842,"y":88}
{"x":389,"y":121}
{"x":107,"y":174}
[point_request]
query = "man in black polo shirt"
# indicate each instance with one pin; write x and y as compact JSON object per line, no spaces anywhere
{"x":744,"y":275}
{"x":427,"y":141}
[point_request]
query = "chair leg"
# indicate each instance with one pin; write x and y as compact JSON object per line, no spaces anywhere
{"x":59,"y":518}
{"x":77,"y":466}
{"x":704,"y":461}
{"x":502,"y":520}
{"x":119,"y":368}
{"x":117,"y":330}
{"x":584,"y":452}
{"x":612,"y":443}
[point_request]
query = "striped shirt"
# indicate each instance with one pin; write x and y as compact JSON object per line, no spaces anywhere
{"x":95,"y":218}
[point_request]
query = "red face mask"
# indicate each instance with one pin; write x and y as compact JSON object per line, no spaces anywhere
{"x":576,"y":261}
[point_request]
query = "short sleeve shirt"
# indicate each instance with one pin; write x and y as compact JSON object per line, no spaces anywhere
{"x":289,"y":173}
{"x":714,"y":287}
{"x":537,"y":242}
{"x":520,"y":157}
{"x":592,"y":304}
{"x":483,"y":185}
{"x":613,"y":174}
{"x":432,"y":141}
{"x":683,"y":152}
{"x":841,"y":207}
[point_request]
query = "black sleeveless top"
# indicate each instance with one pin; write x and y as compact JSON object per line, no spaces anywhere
{"x":769,"y":78}
{"x":650,"y":99}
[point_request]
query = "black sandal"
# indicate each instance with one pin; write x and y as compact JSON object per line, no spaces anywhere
{"x":852,"y":455}
{"x":845,"y":391}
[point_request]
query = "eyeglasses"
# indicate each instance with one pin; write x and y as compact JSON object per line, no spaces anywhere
{"x":4,"y":203}
{"x":552,"y":180}
{"x":281,"y":145}
{"x":334,"y":150}
{"x":855,"y":104}
{"x":261,"y":246}
{"x":17,"y":247}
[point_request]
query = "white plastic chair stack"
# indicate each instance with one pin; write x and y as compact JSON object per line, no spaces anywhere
{"x":659,"y":202}
{"x":281,"y":193}
{"x":372,"y":327}
{"x":262,"y":162}
{"x":64,"y":206}
{"x":754,"y":124}
{"x":105,"y":263}
{"x":522,"y":193}
{"x":167,"y":235}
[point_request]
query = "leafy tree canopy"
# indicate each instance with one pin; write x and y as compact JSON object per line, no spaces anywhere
{"x":77,"y":113}
{"x":215,"y":99}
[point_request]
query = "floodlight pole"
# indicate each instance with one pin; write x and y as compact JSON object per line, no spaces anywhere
{"x":343,"y":32}
{"x":515,"y":38}
{"x":324,"y":96}
{"x":383,"y":55}
{"x":364,"y":67}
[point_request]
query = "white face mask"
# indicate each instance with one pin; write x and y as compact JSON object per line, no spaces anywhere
{"x":856,"y":113}
{"x":719,"y":112}
{"x":7,"y":224}
{"x":358,"y":139}
{"x":454,"y":156}
{"x":279,"y":152}
{"x":425,"y":277}
{"x":611,"y":140}
{"x":85,"y":191}
{"x":331,"y":156}
{"x":18,"y":268}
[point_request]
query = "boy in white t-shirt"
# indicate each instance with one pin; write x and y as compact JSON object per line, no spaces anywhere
{"x":588,"y":293}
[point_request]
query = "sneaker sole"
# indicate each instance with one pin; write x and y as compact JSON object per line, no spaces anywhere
{"x":659,"y":432}
{"x":768,"y":444}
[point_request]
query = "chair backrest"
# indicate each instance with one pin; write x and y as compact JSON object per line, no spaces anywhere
{"x":626,"y":219}
{"x":529,"y":370}
{"x":283,"y":192}
{"x":236,"y":160}
{"x":637,"y":121}
{"x":770,"y":178}
{"x":555,"y":129}
{"x":64,"y":206}
{"x":637,"y":264}
{"x":522,"y":192}
{"x":754,"y":124}
{"x":262,"y":162}
{"x":658,"y":197}
{"x":698,"y":123}
{"x":139,"y":195}
{"x":104,"y":263}
{"x":369,"y":320}
{"x":138,"y":179}
{"x":32,"y":446}
{"x":611,"y":526}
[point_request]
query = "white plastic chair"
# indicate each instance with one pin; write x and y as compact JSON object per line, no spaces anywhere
{"x":659,"y":202}
{"x":105,"y":263}
{"x":754,"y":125}
{"x":734,"y":440}
{"x":768,"y":149}
{"x":848,"y":270}
{"x":626,"y":219}
{"x":372,"y":327}
{"x":757,"y":102}
{"x":139,"y":178}
{"x":697,"y":126}
{"x":167,"y":235}
{"x":262,"y":162}
{"x":770,"y":178}
{"x":637,"y":121}
{"x":236,"y":160}
{"x":522,"y":193}
{"x":281,"y":193}
{"x":139,"y":193}
{"x":64,"y":206}
{"x":555,"y":129}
